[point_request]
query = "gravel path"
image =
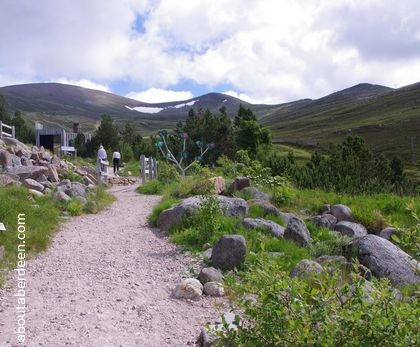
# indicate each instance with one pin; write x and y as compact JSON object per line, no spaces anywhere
{"x":106,"y":281}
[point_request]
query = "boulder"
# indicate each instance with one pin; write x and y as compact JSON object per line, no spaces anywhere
{"x":229,"y":252}
{"x":52,"y":174}
{"x":325,"y":221}
{"x":36,"y":157}
{"x":61,"y":196}
{"x":388,"y":232}
{"x":232,"y":207}
{"x":189,"y":288}
{"x":265,"y":206}
{"x":255,"y":194}
{"x":351,"y":229}
{"x":27,"y":162}
{"x":287,"y":216}
{"x":341,"y":212}
{"x":385,"y":259}
{"x":214,"y":289}
{"x":239,"y":183}
{"x":32,"y":184}
{"x":255,"y":223}
{"x":210,"y":274}
{"x":76,"y":190}
{"x":297,"y":231}
{"x":16,"y":161}
{"x":55,"y":160}
{"x":306,"y":268}
{"x":5,"y":158}
{"x":35,"y":192}
{"x":25,"y":172}
{"x":325,"y":209}
{"x":8,"y":181}
{"x":219,"y":184}
{"x":24,"y":153}
{"x":207,"y":253}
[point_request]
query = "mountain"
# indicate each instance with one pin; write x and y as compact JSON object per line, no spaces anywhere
{"x":54,"y":101}
{"x":388,"y":119}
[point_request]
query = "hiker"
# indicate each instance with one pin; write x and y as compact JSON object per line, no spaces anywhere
{"x":102,"y":156}
{"x":116,"y":157}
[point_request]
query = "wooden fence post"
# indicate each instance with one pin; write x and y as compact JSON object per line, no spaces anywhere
{"x":142,"y":168}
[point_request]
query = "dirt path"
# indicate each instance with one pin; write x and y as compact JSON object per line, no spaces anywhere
{"x":106,"y":281}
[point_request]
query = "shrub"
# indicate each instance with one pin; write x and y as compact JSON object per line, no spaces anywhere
{"x":167,"y":173}
{"x":74,"y":207}
{"x":281,"y":311}
{"x":150,"y":187}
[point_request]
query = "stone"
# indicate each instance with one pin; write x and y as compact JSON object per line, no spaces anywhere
{"x":239,"y":183}
{"x":55,"y":160}
{"x":232,"y":207}
{"x":325,"y":221}
{"x":385,"y":259}
{"x":76,"y":190}
{"x":255,"y":223}
{"x":350,"y":229}
{"x":16,"y":161}
{"x":25,"y":172}
{"x":23,"y":152}
{"x":265,"y":206}
{"x":36,"y":157}
{"x":255,"y":194}
{"x":5,"y":158}
{"x":329,"y":260}
{"x":7,"y":181}
{"x":61,"y":196}
{"x":229,"y":252}
{"x":341,"y":212}
{"x":32,"y":184}
{"x":287,"y":216}
{"x":306,"y":268}
{"x":388,"y":232}
{"x":35,"y":192}
{"x":46,"y":156}
{"x":214,"y":289}
{"x":297,"y":231}
{"x":325,"y":209}
{"x":219,"y":184}
{"x":210,"y":274}
{"x":207,"y":253}
{"x":80,"y":171}
{"x":53,"y":174}
{"x":27,"y":162}
{"x":189,"y":288}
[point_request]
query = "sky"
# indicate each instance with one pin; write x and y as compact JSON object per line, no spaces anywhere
{"x":262,"y":51}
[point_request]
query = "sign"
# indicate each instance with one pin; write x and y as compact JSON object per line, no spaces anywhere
{"x":2,"y":227}
{"x":68,"y":148}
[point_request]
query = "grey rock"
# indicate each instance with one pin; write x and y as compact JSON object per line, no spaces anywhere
{"x":229,"y":252}
{"x":64,"y":182}
{"x":189,"y":288}
{"x":287,"y":216}
{"x":213,"y":289}
{"x":5,"y":158}
{"x":8,"y":181}
{"x":325,"y":221}
{"x":306,"y":268}
{"x":272,"y":227}
{"x":23,"y":152}
{"x":331,"y":260}
{"x":35,"y":192}
{"x":255,"y":194}
{"x":76,"y":190}
{"x":25,"y":172}
{"x":61,"y":196}
{"x":351,"y":229}
{"x":207,"y":253}
{"x":325,"y":209}
{"x":55,"y":160}
{"x":341,"y":212}
{"x":385,"y":259}
{"x":210,"y":274}
{"x":16,"y":161}
{"x":32,"y":184}
{"x":297,"y":231}
{"x":388,"y":232}
{"x":53,"y":174}
{"x":27,"y":162}
{"x":232,"y":207}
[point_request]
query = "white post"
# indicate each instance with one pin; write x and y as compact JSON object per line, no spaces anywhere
{"x":1,"y":129}
{"x":13,"y":132}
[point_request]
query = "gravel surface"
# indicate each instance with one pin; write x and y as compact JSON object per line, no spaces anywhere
{"x":106,"y":280}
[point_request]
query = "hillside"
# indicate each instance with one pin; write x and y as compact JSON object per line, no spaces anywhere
{"x":387,"y":118}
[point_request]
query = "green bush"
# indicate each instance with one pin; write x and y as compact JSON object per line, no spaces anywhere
{"x":73,"y":177}
{"x":167,"y":173}
{"x":150,"y":187}
{"x":280,"y":311}
{"x":74,"y":207}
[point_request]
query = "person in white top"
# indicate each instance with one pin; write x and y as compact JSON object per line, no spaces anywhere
{"x":102,"y":156}
{"x":116,"y":157}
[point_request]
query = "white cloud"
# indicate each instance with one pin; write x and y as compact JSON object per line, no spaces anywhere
{"x":156,"y":95}
{"x":241,"y":96}
{"x":272,"y":51}
{"x":84,"y":83}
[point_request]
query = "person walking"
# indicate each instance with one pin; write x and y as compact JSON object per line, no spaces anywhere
{"x":116,"y":158}
{"x":102,"y":156}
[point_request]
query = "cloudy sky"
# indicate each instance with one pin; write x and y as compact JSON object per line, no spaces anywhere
{"x":266,"y":51}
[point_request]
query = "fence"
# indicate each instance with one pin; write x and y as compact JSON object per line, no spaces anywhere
{"x":5,"y":133}
{"x":102,"y":169}
{"x":148,"y":168}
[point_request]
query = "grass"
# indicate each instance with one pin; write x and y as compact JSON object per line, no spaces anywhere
{"x":42,"y":218}
{"x":131,"y":168}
